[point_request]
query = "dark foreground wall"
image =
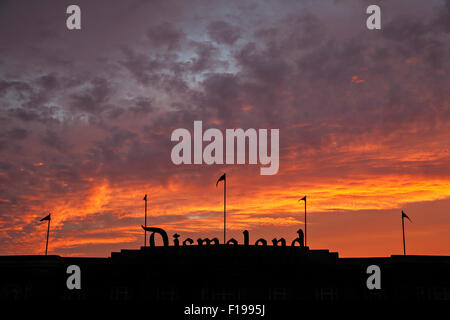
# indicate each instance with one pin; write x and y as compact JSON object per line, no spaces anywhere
{"x":222,"y":273}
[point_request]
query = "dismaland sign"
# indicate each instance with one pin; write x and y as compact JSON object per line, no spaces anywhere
{"x":215,"y":241}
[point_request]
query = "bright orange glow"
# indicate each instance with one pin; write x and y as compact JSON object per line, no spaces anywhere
{"x":250,"y":206}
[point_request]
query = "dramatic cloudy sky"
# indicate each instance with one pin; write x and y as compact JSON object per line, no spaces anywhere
{"x":86,"y":118}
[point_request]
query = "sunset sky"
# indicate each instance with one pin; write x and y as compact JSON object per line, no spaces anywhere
{"x":86,"y":118}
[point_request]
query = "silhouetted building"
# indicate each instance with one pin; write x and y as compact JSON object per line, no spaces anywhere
{"x":225,"y":273}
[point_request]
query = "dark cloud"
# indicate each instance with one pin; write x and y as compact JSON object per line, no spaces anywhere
{"x":52,"y":139}
{"x":165,"y":35}
{"x":20,"y":88}
{"x":24,"y":115}
{"x":94,"y":99}
{"x":223,"y":32}
{"x":220,"y":98}
{"x":262,"y":66}
{"x":49,"y":81}
{"x":142,"y":67}
{"x":142,"y":105}
{"x":17,"y":134}
{"x":206,"y":59}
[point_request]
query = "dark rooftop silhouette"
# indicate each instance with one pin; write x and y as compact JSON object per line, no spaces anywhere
{"x":221,"y":273}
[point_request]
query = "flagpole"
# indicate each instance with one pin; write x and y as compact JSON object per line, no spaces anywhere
{"x":304,"y":199}
{"x":224,"y":179}
{"x":305,"y":222}
{"x":48,"y":231}
{"x":145,"y":222}
{"x":403,"y":229}
{"x":224,"y":210}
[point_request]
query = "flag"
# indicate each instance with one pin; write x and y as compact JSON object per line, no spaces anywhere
{"x":47,"y":218}
{"x":220,"y":179}
{"x":304,"y":199}
{"x":405,"y":216}
{"x":145,"y":198}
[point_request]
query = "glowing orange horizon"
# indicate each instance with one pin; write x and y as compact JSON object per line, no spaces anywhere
{"x":273,"y":210}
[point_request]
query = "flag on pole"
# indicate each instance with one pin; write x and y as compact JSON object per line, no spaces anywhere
{"x":47,"y":218}
{"x":145,"y":221}
{"x":304,"y":199}
{"x":222,"y":178}
{"x":403,"y":231}
{"x":405,"y":216}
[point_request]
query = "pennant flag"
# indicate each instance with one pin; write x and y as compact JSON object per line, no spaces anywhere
{"x":47,"y":218}
{"x":405,"y":216}
{"x":222,"y":178}
{"x":145,"y":198}
{"x":304,"y":199}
